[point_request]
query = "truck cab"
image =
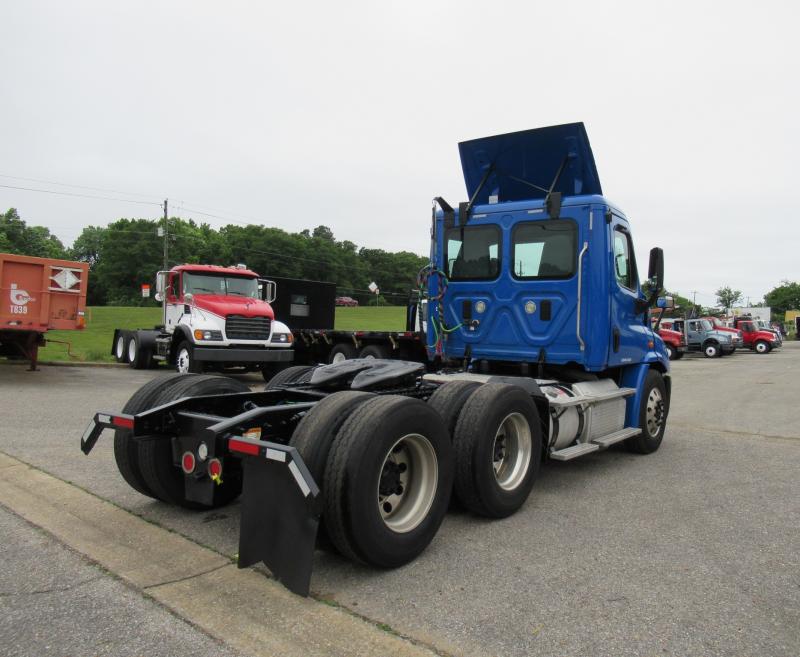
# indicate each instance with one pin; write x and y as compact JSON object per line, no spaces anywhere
{"x":217,"y":317}
{"x":756,"y":338}
{"x":701,"y":336}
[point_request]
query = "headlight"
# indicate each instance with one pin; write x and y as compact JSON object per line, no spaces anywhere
{"x":200,"y":334}
{"x":282,"y":337}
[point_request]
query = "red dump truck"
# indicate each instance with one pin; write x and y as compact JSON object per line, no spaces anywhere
{"x":38,"y":295}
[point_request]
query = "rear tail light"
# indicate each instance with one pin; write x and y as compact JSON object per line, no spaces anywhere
{"x":188,"y":462}
{"x":215,"y":470}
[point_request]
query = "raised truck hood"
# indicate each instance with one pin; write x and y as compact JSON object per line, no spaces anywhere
{"x":233,"y":305}
{"x":534,"y":156}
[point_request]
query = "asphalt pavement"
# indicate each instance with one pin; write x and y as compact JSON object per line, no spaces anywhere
{"x":692,"y":550}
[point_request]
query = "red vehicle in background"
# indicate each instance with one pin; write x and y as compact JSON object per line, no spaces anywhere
{"x":736,"y":334}
{"x":674,"y":341}
{"x":756,"y":338}
{"x":348,"y":302}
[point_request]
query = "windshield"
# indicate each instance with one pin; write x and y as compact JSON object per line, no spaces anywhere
{"x":706,"y":325}
{"x":240,"y":286}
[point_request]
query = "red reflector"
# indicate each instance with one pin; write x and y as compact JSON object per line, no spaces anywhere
{"x":214,"y":468}
{"x":240,"y":446}
{"x":122,"y":422}
{"x":187,"y":462}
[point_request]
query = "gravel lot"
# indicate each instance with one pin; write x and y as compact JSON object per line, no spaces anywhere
{"x":689,"y":551}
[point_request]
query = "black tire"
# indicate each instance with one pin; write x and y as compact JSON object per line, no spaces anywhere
{"x":366,"y":443}
{"x":342,"y":351}
{"x":476,"y":449}
{"x":138,"y":358}
{"x":376,"y":351}
{"x":126,"y":450}
{"x":711,"y":350}
{"x":185,"y":350}
{"x":293,"y":374}
{"x":670,"y":351}
{"x":448,"y":400}
{"x":649,"y":440}
{"x":166,"y":479}
{"x":679,"y":355}
{"x":120,"y":348}
{"x":762,"y":347}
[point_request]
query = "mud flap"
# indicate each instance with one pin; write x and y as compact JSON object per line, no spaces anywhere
{"x":281,"y":508}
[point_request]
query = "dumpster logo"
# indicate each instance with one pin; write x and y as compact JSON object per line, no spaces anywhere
{"x":19,"y":300}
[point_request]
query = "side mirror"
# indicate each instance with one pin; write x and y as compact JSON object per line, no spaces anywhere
{"x":655,"y":271}
{"x":268,"y":289}
{"x":188,"y":298}
{"x":667,"y":303}
{"x":159,"y":297}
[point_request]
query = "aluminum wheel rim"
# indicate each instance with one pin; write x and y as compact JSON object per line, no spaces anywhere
{"x":338,"y":357}
{"x":511,"y":451}
{"x":710,"y":351}
{"x":761,"y":347}
{"x":655,"y":412}
{"x":132,"y":350}
{"x":120,"y":347}
{"x":407,"y":483}
{"x":183,"y":361}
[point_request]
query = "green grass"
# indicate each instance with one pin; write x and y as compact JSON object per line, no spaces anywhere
{"x":94,"y":342}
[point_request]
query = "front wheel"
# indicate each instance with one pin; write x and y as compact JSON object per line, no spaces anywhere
{"x":670,"y":352}
{"x":185,"y":362}
{"x":762,"y":347}
{"x":711,"y":350}
{"x":653,"y":409}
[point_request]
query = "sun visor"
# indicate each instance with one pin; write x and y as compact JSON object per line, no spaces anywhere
{"x":524,"y":164}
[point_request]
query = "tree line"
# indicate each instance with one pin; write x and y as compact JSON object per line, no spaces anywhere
{"x":128,"y":252}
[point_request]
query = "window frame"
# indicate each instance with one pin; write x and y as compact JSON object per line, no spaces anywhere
{"x":499,"y":234}
{"x":562,"y":277}
{"x":633,"y":272}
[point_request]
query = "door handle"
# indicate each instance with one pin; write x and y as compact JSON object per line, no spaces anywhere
{"x":616,"y":339}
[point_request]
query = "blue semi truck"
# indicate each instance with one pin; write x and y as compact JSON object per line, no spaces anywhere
{"x":540,"y":324}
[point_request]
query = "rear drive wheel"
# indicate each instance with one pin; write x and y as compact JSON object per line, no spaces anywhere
{"x":388,"y":481}
{"x":762,"y":347}
{"x":341,"y":352}
{"x":293,"y":374}
{"x":138,"y":358}
{"x":498,"y":450}
{"x":185,"y":362}
{"x":120,"y":353}
{"x":653,"y":410}
{"x":711,"y":350}
{"x":448,"y":400}
{"x":375,"y":351}
{"x":164,"y":477}
{"x":126,"y":450}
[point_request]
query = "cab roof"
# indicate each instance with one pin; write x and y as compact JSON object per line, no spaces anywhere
{"x":524,"y":165}
{"x":216,"y":269}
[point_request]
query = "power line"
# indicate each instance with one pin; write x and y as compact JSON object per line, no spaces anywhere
{"x":102,"y":198}
{"x":95,"y":189}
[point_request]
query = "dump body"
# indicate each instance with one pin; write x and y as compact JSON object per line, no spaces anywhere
{"x":38,"y":294}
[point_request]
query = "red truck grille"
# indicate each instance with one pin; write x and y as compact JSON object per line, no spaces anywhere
{"x":247,"y":328}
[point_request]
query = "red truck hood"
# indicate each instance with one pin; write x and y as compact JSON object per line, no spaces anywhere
{"x":232,"y":305}
{"x":668,"y":335}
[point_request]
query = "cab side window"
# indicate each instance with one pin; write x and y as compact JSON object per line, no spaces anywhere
{"x":623,"y":261}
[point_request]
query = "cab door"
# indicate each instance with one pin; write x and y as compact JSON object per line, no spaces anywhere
{"x":629,"y":334}
{"x":173,"y":301}
{"x":694,"y":334}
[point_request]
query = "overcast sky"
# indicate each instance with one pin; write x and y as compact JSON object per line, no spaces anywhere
{"x":349,"y":113}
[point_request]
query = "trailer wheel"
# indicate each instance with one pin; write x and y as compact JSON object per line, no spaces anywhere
{"x":378,"y":351}
{"x":653,"y":411}
{"x":711,"y":350}
{"x":126,"y":450}
{"x":448,"y":400}
{"x":293,"y":374}
{"x":762,"y":347}
{"x":120,"y":353}
{"x":138,"y":358}
{"x":498,"y":448}
{"x":161,"y":474}
{"x":341,"y":352}
{"x":185,"y":362}
{"x":388,"y":481}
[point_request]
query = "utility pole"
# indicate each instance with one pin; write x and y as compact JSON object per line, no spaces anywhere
{"x":166,"y":236}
